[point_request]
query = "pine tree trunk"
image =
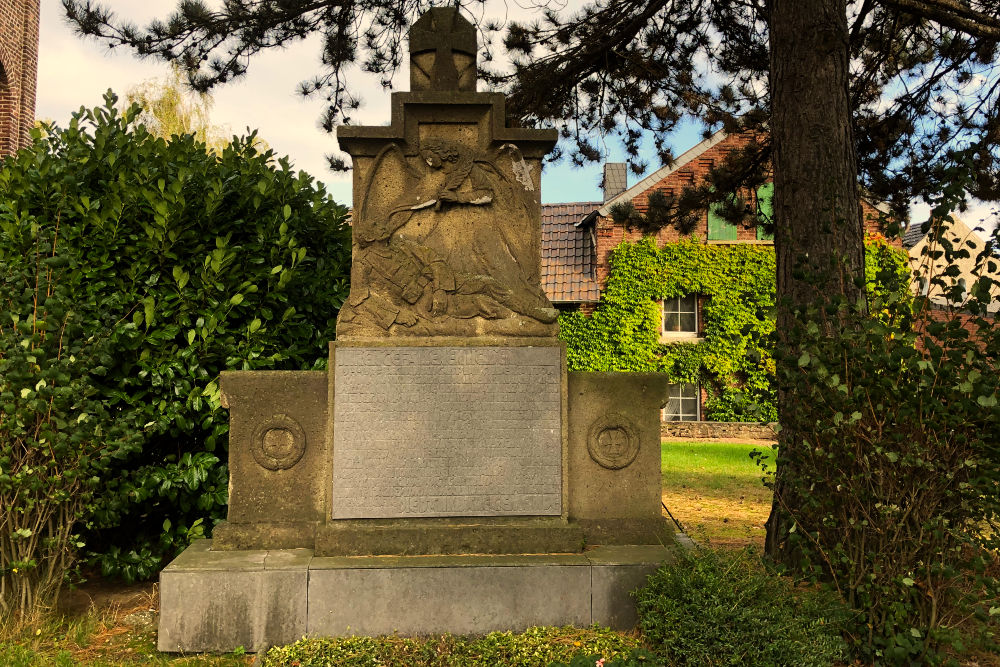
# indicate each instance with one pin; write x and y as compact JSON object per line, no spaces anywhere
{"x":818,"y":227}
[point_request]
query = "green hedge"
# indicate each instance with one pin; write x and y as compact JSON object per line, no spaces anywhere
{"x":730,"y":609}
{"x":534,"y":647}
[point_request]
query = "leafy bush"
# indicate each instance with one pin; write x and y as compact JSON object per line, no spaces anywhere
{"x":891,"y":485}
{"x":533,"y":647}
{"x":639,"y":657}
{"x":195,"y":263}
{"x":717,"y":608}
{"x":57,"y":437}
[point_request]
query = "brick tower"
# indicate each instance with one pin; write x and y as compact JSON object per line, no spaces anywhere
{"x":18,"y":72}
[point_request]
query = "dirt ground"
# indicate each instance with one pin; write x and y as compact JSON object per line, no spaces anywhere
{"x":719,"y":521}
{"x":109,"y":595}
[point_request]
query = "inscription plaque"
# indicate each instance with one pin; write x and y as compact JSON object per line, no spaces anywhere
{"x":447,"y":431}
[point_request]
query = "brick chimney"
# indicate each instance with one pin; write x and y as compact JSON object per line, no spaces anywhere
{"x":615,"y":179}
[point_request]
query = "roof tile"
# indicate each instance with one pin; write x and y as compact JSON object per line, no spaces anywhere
{"x":568,"y":254}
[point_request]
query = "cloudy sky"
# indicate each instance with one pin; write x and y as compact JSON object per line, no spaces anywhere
{"x":74,"y":72}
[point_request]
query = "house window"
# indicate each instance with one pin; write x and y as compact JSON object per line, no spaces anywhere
{"x":765,"y":206}
{"x":680,"y":315}
{"x":682,"y":403}
{"x":719,"y":229}
{"x":963,"y":291}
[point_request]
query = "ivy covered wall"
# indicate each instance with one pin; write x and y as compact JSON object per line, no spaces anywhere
{"x":734,"y":362}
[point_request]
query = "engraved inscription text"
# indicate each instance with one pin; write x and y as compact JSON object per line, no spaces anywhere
{"x":447,"y":431}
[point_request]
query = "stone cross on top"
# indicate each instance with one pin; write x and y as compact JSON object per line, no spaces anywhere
{"x":442,"y":51}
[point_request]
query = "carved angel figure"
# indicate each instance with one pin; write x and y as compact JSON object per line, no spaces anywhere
{"x":441,"y":247}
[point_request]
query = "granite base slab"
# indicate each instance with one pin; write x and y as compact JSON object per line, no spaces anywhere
{"x":220,"y":600}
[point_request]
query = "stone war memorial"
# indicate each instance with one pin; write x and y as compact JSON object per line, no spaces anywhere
{"x":446,"y":474}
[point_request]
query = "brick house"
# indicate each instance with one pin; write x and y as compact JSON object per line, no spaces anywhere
{"x":18,"y":72}
{"x":578,"y":239}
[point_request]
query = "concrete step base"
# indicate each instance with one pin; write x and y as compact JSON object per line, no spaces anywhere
{"x":220,"y":600}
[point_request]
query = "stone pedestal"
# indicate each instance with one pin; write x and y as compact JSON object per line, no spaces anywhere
{"x":287,"y":564}
{"x":438,"y":449}
{"x":449,"y":535}
{"x":446,"y":474}
{"x":216,"y":601}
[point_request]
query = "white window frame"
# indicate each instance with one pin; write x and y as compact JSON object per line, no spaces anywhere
{"x":665,"y":416}
{"x":676,"y":302}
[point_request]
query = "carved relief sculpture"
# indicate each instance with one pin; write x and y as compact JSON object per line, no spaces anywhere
{"x":446,"y":217}
{"x":613,"y":441}
{"x":278,"y":443}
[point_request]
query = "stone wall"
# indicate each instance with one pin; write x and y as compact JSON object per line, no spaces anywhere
{"x":18,"y":72}
{"x":711,"y":430}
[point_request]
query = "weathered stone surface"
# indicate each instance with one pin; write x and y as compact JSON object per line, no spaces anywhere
{"x":613,"y":605}
{"x":421,"y":431}
{"x":616,"y":572}
{"x":212,"y":601}
{"x":625,"y":530}
{"x":715,"y":430}
{"x":493,"y":535}
{"x":614,"y":456}
{"x":426,"y":600}
{"x":288,"y":559}
{"x":217,"y":601}
{"x":204,"y":555}
{"x":446,"y":561}
{"x":278,"y":454}
{"x":442,"y":51}
{"x":446,"y":205}
{"x":265,"y":535}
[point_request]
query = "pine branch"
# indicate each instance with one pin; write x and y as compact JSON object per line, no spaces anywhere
{"x":952,"y":14}
{"x":215,"y":46}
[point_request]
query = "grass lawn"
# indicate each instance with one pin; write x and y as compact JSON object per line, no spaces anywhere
{"x":107,"y":637}
{"x":714,"y":489}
